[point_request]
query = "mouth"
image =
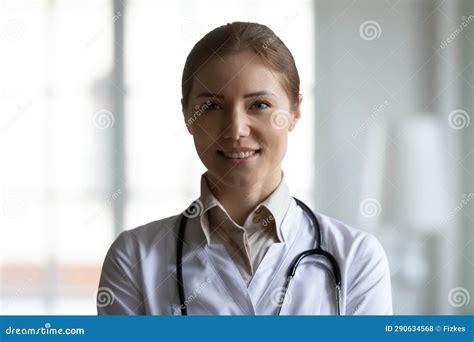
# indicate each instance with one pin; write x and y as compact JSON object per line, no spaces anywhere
{"x":238,"y":156}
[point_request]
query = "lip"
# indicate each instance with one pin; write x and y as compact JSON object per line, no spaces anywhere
{"x":236,"y":161}
{"x":238,"y":149}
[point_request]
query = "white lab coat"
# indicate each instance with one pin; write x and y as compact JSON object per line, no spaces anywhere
{"x":139,"y":272}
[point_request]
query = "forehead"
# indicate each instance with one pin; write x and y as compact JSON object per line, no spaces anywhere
{"x":243,"y":72}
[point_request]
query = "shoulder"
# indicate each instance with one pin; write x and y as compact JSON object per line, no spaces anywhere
{"x":360,"y":253}
{"x":145,"y":237}
{"x":364,"y":266}
{"x":155,"y":230}
{"x":348,"y":241}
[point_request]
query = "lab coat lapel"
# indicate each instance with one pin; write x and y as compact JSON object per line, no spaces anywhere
{"x":272,"y":267}
{"x":210,"y":270}
{"x":310,"y":282}
{"x":230,"y":278}
{"x":266,"y":271}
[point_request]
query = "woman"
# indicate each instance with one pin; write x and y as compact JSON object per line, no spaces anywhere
{"x":230,"y":253}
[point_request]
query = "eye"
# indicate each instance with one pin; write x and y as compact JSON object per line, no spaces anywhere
{"x":261,"y":105}
{"x":209,"y":105}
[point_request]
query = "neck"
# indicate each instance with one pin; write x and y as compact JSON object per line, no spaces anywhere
{"x":240,"y":201}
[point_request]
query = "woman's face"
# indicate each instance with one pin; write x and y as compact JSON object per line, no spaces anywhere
{"x":239,"y":115}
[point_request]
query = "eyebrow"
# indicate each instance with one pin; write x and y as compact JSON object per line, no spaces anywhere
{"x":254,"y":94}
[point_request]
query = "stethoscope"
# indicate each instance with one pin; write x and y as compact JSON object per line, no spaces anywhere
{"x":291,"y":272}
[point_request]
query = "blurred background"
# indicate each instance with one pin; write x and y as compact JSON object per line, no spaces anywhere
{"x":93,"y":140}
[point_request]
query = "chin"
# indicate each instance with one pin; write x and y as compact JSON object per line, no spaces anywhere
{"x":236,"y":178}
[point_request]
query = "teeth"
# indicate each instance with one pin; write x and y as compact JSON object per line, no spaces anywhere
{"x":239,"y":155}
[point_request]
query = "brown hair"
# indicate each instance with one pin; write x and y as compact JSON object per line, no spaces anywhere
{"x":236,"y":37}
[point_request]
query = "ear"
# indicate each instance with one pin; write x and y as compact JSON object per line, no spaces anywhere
{"x":187,"y":121}
{"x":296,"y":114}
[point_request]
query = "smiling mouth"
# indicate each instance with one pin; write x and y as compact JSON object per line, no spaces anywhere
{"x":239,"y":155}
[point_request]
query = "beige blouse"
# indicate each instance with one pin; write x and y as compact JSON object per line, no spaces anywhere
{"x":245,"y":244}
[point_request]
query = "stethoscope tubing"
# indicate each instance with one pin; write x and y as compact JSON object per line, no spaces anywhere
{"x":318,"y":250}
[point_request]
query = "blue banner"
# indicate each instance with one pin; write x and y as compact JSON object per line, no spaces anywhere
{"x":237,"y":328}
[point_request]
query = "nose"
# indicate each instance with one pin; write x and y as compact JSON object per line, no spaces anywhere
{"x":236,"y":125}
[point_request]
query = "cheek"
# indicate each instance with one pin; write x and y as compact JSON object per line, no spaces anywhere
{"x":276,"y":142}
{"x":202,"y":146}
{"x":204,"y":142}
